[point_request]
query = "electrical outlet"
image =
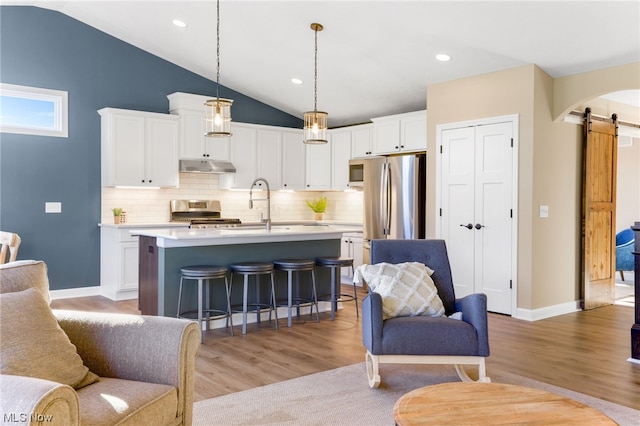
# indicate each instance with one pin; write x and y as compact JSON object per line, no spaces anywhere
{"x":53,"y":207}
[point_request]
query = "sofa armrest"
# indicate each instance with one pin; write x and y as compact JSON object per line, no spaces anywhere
{"x":133,"y":347}
{"x":372,"y":322}
{"x":33,"y":401}
{"x":474,"y":311}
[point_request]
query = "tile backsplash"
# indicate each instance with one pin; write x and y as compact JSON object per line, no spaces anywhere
{"x":152,"y":205}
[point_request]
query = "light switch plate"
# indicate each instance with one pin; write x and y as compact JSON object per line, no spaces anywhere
{"x":53,"y":207}
{"x":544,"y":211}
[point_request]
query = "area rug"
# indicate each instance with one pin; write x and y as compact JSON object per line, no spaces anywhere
{"x":343,"y":397}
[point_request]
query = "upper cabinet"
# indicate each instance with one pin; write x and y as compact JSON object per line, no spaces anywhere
{"x":362,"y":141}
{"x":194,"y":145}
{"x":139,"y":148}
{"x":293,"y":160}
{"x":255,"y":151}
{"x":318,"y":173}
{"x":400,"y":133}
{"x":341,"y":145}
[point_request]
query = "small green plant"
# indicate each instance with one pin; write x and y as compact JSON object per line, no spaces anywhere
{"x":319,"y":205}
{"x":117,"y":211}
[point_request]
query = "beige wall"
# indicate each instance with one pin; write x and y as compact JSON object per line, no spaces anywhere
{"x":573,"y":90}
{"x":547,"y":174}
{"x":549,"y":164}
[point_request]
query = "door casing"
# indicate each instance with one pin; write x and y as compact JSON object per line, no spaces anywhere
{"x":514,"y":120}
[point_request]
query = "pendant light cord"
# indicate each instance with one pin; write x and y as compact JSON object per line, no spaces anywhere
{"x":315,"y":72}
{"x":218,"y":50}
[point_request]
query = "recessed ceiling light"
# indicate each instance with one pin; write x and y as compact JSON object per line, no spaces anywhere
{"x":296,"y":81}
{"x":178,"y":23}
{"x":442,"y":57}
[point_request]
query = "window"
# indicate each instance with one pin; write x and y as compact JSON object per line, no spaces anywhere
{"x":33,"y":111}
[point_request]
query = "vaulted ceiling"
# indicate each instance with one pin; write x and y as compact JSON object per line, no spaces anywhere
{"x":374,"y":57}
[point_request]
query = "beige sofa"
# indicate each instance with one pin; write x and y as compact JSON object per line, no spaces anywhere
{"x":145,"y":365}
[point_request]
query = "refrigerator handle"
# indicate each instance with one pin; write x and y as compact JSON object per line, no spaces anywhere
{"x":385,"y":205}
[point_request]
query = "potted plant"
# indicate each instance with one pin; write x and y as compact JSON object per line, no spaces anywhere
{"x":319,"y":207}
{"x":117,"y":215}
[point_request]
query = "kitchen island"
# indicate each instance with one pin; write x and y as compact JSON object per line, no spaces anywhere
{"x":162,"y":252}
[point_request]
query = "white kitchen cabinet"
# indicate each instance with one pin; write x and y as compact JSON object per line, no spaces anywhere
{"x":255,"y":151}
{"x":243,"y":154}
{"x":351,"y":246}
{"x":194,"y":145}
{"x":400,"y":133}
{"x":119,"y":261}
{"x":139,"y":148}
{"x":118,"y":264}
{"x":318,"y":167}
{"x":362,"y":141}
{"x":293,"y":160}
{"x":269,"y":157}
{"x":340,"y":156}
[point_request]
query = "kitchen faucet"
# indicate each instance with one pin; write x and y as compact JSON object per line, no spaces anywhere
{"x":266,"y":221}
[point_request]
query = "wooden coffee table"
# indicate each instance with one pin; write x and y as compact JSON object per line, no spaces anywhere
{"x":463,"y":403}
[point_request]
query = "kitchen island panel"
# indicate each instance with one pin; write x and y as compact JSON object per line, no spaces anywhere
{"x":170,"y":260}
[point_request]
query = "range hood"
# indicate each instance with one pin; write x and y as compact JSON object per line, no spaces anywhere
{"x":206,"y":166}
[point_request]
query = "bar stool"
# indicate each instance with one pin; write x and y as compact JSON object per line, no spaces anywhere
{"x":298,"y":265}
{"x":335,"y":263}
{"x":208,"y":273}
{"x":256,"y":269}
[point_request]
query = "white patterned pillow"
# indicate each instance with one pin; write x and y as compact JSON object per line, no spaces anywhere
{"x":406,"y":288}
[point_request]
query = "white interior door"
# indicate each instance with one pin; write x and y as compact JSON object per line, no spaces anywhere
{"x":476,"y":202}
{"x":458,"y":188}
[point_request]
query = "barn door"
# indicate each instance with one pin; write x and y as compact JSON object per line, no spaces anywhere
{"x":599,"y":211}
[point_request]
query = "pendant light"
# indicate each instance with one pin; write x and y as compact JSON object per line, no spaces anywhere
{"x":218,"y":110}
{"x":315,"y":122}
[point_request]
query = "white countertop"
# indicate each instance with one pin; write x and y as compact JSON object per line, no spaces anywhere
{"x":180,"y":237}
{"x":144,"y":225}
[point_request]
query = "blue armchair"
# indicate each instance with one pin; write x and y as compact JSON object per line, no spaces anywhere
{"x":624,"y":249}
{"x":425,"y":339}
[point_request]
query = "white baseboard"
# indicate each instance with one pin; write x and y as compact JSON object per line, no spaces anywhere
{"x":636,"y":361}
{"x":547,"y":311}
{"x":71,"y":293}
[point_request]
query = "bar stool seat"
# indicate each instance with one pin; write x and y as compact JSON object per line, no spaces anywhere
{"x":256,"y":269}
{"x":203,"y":273}
{"x":298,"y":265}
{"x":335,"y":263}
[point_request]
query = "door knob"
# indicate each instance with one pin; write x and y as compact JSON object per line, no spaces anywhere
{"x":478,"y":226}
{"x":468,"y":226}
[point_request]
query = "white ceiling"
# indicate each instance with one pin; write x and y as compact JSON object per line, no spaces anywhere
{"x":374,"y":57}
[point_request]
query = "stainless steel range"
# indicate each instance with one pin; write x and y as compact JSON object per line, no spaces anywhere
{"x":200,"y":214}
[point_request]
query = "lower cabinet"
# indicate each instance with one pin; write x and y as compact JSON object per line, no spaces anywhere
{"x":118,"y":264}
{"x":351,"y":246}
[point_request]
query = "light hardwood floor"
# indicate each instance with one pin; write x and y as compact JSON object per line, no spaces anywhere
{"x":582,"y":351}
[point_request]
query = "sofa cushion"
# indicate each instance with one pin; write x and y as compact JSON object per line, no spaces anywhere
{"x":406,"y":288}
{"x":23,"y":274}
{"x":125,"y":402}
{"x":34,"y":345}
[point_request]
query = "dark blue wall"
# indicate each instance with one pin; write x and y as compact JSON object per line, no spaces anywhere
{"x":47,"y":49}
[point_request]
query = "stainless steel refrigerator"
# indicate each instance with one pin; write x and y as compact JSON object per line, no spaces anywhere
{"x":394,"y":197}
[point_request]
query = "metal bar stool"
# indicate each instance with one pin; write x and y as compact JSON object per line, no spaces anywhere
{"x":335,"y":263}
{"x":255,"y":269}
{"x":298,"y":265}
{"x":208,"y":273}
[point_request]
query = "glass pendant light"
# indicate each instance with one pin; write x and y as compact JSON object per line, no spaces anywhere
{"x":315,"y":122}
{"x":218,"y":110}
